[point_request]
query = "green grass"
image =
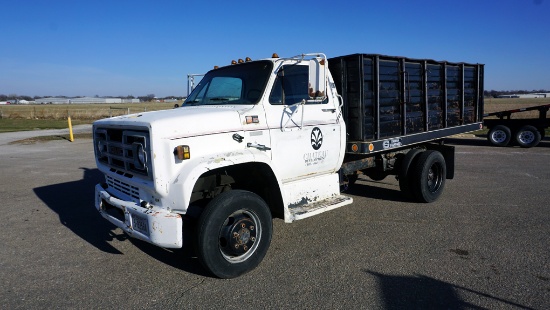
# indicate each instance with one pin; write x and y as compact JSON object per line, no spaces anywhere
{"x":11,"y":125}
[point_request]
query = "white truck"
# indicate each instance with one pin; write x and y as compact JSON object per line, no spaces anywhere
{"x":280,"y":137}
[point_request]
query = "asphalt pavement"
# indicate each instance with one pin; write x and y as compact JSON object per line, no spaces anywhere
{"x":484,"y":244}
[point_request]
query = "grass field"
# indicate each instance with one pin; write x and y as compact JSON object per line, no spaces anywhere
{"x":501,"y":104}
{"x":10,"y":125}
{"x":88,"y":112}
{"x":54,"y":116}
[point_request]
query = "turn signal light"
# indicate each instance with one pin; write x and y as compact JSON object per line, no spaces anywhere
{"x":182,"y":152}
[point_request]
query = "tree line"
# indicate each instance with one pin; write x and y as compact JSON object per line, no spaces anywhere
{"x":148,"y":97}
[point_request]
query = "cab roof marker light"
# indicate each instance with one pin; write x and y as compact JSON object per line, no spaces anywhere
{"x":275,"y":55}
{"x":247,"y":59}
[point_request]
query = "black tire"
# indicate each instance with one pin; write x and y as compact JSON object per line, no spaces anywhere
{"x":499,"y":135}
{"x":528,"y":136}
{"x":404,"y":172}
{"x":428,"y":177}
{"x":233,"y":233}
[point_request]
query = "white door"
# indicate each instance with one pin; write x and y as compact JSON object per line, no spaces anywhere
{"x":305,"y":138}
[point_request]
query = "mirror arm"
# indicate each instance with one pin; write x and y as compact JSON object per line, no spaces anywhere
{"x":293,"y":112}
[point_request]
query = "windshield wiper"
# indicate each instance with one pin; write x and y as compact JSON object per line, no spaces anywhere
{"x":219,"y":99}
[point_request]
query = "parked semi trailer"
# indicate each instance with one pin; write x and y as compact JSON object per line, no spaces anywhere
{"x":525,"y":132}
{"x":280,"y":137}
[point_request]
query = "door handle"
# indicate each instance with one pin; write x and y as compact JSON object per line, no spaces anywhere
{"x":260,"y":147}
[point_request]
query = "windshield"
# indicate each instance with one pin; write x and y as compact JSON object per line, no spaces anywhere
{"x":236,"y":84}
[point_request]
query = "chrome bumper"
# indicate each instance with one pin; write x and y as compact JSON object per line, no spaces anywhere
{"x":156,"y":226}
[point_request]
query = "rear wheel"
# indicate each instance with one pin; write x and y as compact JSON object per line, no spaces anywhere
{"x":528,"y":136}
{"x":233,"y":233}
{"x":499,"y":135}
{"x":429,"y":174}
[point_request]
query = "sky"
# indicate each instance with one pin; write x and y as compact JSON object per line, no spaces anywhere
{"x":139,"y":47}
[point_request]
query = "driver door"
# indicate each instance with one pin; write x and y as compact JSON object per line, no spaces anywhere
{"x":305,"y":135}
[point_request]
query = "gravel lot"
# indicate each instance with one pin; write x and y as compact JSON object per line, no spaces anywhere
{"x":484,"y":244}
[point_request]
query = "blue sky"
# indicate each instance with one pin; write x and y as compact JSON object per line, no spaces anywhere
{"x":112,"y":48}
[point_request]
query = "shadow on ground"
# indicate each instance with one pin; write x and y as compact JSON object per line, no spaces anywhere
{"x":74,"y":204}
{"x":422,"y":292}
{"x":373,"y":189}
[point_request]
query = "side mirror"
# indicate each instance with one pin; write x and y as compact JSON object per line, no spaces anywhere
{"x":317,"y":79}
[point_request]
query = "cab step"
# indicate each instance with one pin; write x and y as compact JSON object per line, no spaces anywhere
{"x":303,"y":211}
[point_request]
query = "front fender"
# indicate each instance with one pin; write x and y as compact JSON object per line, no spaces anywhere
{"x":183,"y":184}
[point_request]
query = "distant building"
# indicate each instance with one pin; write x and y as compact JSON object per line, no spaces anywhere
{"x":534,"y":95}
{"x":52,"y":100}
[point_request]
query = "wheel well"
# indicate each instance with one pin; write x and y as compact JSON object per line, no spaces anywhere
{"x":253,"y":177}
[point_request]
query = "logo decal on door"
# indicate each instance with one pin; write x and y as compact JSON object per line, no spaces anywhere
{"x":316,"y":138}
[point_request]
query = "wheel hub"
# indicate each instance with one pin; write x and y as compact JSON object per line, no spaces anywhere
{"x":527,"y":137}
{"x":434,"y":178}
{"x":240,"y":236}
{"x":499,"y":136}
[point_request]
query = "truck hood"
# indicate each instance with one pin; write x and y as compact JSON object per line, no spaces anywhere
{"x":182,"y":122}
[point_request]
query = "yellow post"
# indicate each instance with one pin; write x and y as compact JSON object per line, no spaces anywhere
{"x":71,"y":138}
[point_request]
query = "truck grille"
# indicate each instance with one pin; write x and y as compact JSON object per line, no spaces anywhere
{"x":125,"y":188}
{"x":126,"y":151}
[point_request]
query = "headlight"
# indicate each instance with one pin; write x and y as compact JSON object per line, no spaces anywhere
{"x":101,"y":147}
{"x":140,"y":155}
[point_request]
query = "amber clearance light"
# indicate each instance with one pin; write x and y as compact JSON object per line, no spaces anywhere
{"x":182,"y":152}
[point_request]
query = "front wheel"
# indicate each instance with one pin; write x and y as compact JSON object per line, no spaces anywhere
{"x":233,"y":233}
{"x":429,"y":176}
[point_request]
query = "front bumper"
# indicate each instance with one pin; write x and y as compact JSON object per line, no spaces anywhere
{"x":157,"y":226}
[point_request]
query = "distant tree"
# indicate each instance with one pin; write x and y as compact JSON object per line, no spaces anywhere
{"x":3,"y":97}
{"x":148,"y":97}
{"x":12,"y":96}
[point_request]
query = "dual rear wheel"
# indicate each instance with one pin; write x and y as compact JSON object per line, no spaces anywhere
{"x":422,"y":175}
{"x":527,"y":136}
